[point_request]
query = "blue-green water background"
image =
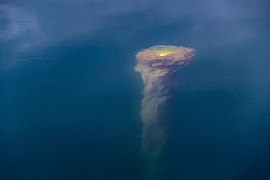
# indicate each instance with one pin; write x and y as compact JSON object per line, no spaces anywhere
{"x":70,"y":99}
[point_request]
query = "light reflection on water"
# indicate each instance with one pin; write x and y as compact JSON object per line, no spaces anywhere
{"x":70,"y":97}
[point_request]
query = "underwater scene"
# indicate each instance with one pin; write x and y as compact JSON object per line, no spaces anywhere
{"x":134,"y":90}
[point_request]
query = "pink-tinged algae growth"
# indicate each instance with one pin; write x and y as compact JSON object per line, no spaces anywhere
{"x":157,"y":66}
{"x":165,"y":56}
{"x":161,"y":60}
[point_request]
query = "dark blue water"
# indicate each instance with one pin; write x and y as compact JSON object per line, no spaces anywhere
{"x":70,"y":99}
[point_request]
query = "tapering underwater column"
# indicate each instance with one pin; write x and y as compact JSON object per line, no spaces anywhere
{"x":158,"y":66}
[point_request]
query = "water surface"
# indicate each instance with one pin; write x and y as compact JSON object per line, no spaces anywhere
{"x":70,"y":98}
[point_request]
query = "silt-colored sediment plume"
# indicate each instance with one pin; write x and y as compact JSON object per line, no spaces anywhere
{"x":158,"y":66}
